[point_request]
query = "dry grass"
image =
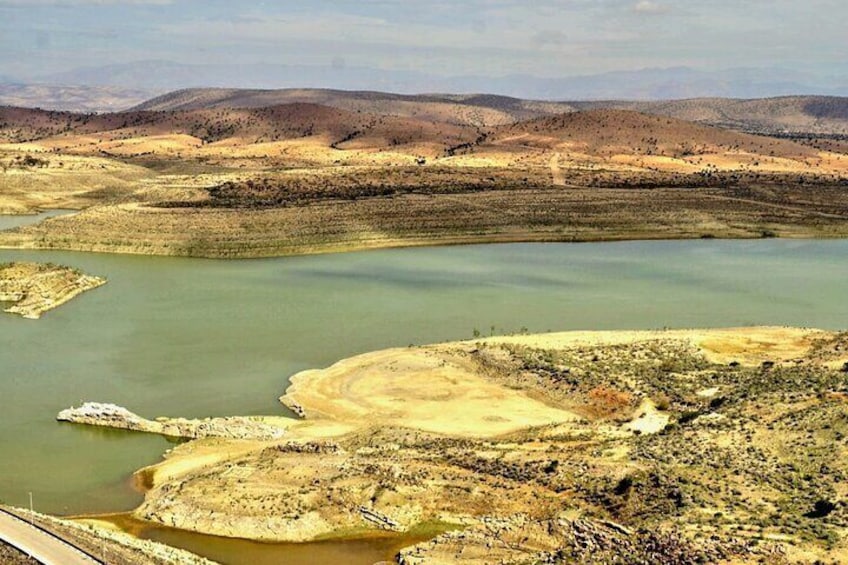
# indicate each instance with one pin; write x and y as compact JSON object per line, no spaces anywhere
{"x":303,"y":178}
{"x":744,"y":473}
{"x":491,"y":216}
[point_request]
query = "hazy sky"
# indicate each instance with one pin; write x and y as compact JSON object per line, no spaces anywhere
{"x":480,"y":37}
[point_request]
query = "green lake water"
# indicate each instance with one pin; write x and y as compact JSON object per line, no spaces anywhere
{"x":10,"y":222}
{"x":181,"y":337}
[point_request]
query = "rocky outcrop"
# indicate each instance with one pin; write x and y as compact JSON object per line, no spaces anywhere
{"x":112,"y":416}
{"x":379,"y":519}
{"x":520,"y":540}
{"x":436,"y":438}
{"x":36,"y":288}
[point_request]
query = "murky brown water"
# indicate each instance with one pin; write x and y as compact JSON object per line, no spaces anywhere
{"x":364,"y":550}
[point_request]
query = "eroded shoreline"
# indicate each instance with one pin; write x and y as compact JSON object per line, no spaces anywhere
{"x":575,"y":433}
{"x":36,"y":288}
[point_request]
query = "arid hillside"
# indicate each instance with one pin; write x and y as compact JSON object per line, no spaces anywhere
{"x":225,"y":132}
{"x":473,"y":109}
{"x":781,"y":115}
{"x":66,"y":131}
{"x":306,"y":178}
{"x":623,"y":132}
{"x":705,"y":446}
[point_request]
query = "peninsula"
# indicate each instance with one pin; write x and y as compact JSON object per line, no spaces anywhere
{"x":716,"y":445}
{"x":35,"y":288}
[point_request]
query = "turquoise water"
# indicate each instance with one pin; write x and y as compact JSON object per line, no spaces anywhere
{"x":182,"y":337}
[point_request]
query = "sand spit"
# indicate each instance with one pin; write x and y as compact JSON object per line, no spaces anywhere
{"x":541,"y":446}
{"x":36,"y":288}
{"x":112,"y":416}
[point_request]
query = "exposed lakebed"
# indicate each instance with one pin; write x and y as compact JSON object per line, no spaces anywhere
{"x":197,"y":338}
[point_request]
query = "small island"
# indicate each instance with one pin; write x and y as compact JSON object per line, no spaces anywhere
{"x":35,"y":288}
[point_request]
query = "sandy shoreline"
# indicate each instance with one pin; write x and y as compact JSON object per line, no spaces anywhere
{"x":345,"y":402}
{"x":528,"y":433}
{"x":28,"y":240}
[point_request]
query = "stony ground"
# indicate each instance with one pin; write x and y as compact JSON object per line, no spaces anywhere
{"x":35,"y":288}
{"x":11,"y":556}
{"x":722,"y":446}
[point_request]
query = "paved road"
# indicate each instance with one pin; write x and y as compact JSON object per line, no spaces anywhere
{"x":43,"y":547}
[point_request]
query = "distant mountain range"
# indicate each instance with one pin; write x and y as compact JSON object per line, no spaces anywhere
{"x":73,"y":98}
{"x":823,"y":115}
{"x":646,"y":84}
{"x":787,"y":114}
{"x":753,"y":100}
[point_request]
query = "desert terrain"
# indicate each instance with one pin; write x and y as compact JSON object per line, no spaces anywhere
{"x":228,"y":173}
{"x":785,"y":114}
{"x":719,"y":446}
{"x":670,"y":446}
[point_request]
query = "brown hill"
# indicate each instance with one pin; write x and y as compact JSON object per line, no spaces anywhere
{"x":316,"y":134}
{"x":336,"y":128}
{"x":623,"y":132}
{"x":474,"y":109}
{"x":304,"y":178}
{"x":790,"y":114}
{"x":307,"y":134}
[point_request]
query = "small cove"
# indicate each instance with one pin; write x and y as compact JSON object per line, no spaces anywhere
{"x":364,"y":549}
{"x":195,"y":338}
{"x":11,"y":222}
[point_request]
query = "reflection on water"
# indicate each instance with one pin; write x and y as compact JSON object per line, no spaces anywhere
{"x":197,"y":338}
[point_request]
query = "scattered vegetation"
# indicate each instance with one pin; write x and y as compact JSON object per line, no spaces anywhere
{"x":749,"y":464}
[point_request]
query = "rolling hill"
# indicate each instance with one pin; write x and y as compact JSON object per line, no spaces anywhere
{"x":331,"y":132}
{"x":790,"y":114}
{"x":477,"y":110}
{"x":608,"y":132}
{"x":72,"y":98}
{"x":428,"y":126}
{"x":302,"y":177}
{"x":332,"y":127}
{"x":785,"y":115}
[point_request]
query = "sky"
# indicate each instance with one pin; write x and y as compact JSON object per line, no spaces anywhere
{"x":545,"y":38}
